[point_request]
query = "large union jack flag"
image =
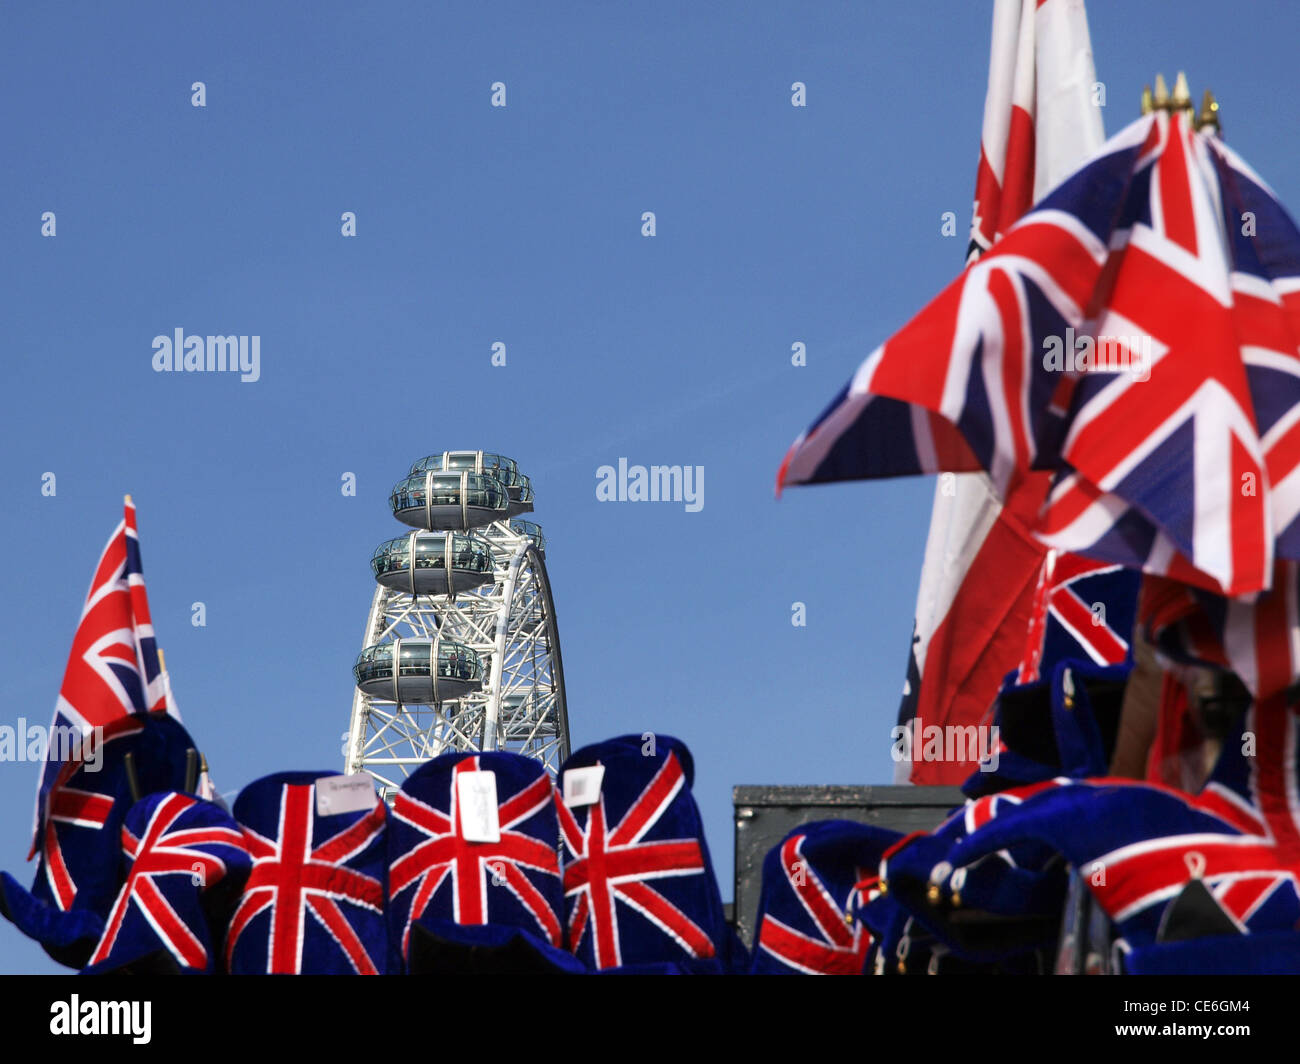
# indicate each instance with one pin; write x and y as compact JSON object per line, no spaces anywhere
{"x":638,"y":885}
{"x":177,"y":848}
{"x":1136,"y":331}
{"x":439,"y":876}
{"x":113,"y":668}
{"x":314,"y":900}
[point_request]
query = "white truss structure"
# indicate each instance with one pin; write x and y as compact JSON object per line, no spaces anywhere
{"x":511,"y":625}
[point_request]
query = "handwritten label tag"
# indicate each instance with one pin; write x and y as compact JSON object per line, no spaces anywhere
{"x":345,"y":794}
{"x":582,"y":785}
{"x":476,"y":799}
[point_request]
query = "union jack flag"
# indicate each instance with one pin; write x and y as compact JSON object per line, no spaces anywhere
{"x":1083,"y":609}
{"x":637,"y":891}
{"x":178,"y":848}
{"x":981,"y":560}
{"x":314,"y":900}
{"x":1132,"y":332}
{"x":113,"y":669}
{"x":439,"y":874}
{"x":812,"y":882}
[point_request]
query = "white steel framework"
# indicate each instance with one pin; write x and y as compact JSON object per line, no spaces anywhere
{"x":510,"y":623}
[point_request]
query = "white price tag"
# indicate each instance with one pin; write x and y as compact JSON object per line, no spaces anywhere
{"x":582,"y":785}
{"x":345,"y":794}
{"x":476,"y":801}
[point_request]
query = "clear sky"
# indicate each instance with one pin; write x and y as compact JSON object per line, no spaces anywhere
{"x":521,"y":225}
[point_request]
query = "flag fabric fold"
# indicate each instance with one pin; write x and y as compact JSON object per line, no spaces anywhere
{"x":1126,"y":335}
{"x":983,"y":566}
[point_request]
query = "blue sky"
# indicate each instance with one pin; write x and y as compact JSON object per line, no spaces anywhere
{"x":521,"y":225}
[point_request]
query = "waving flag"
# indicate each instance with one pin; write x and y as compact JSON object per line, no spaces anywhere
{"x":982,"y":562}
{"x":113,"y":669}
{"x":639,"y":886}
{"x":1116,"y":334}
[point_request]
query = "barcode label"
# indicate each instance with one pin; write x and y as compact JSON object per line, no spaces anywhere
{"x":476,"y":800}
{"x":582,"y":785}
{"x":345,"y":794}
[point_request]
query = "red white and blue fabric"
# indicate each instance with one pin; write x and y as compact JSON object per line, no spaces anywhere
{"x":1083,"y":611}
{"x":1025,"y":880}
{"x":638,"y":882}
{"x":314,"y":900}
{"x":1190,"y":473}
{"x":113,"y":669}
{"x":490,"y":895}
{"x":982,"y":562}
{"x":1138,"y":845}
{"x":79,"y":873}
{"x":806,"y":923}
{"x":169,"y":914}
{"x":1040,"y":118}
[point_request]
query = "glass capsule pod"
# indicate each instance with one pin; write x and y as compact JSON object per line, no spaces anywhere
{"x":441,"y":501}
{"x":533,"y":531}
{"x":433,"y":563}
{"x":416,"y":680}
{"x":521,"y":498}
{"x":504,"y":469}
{"x":522,"y":705}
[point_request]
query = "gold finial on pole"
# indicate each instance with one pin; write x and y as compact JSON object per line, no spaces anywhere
{"x":1182,"y":98}
{"x":1209,"y":116}
{"x":1148,"y":101}
{"x":1162,"y":93}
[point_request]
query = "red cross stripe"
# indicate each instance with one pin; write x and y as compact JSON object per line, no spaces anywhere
{"x":292,"y":879}
{"x":84,"y":809}
{"x":448,"y":855}
{"x":611,"y":864}
{"x":841,"y":949}
{"x":1242,"y":872}
{"x":1197,"y":381}
{"x":160,"y":851}
{"x":1057,"y":596}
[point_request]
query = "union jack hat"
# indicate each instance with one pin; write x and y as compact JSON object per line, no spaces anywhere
{"x":1063,"y":724}
{"x":1004,"y":905}
{"x":79,"y":873}
{"x":807,"y":922}
{"x":474,"y":868}
{"x":185,"y":863}
{"x":1138,"y":845}
{"x":314,"y":900}
{"x":639,"y":888}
